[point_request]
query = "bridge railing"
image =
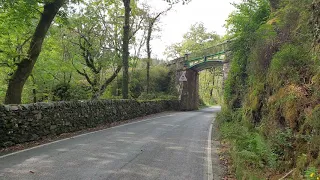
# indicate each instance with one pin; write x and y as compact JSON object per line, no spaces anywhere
{"x":211,"y":51}
{"x":215,"y":53}
{"x":219,"y":56}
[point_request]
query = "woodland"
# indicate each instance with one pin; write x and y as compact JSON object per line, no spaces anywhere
{"x":97,"y":49}
{"x":60,"y":50}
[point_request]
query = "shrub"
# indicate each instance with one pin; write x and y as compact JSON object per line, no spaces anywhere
{"x":291,"y":65}
{"x":250,"y":152}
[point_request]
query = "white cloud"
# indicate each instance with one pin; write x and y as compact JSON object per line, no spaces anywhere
{"x":177,"y":22}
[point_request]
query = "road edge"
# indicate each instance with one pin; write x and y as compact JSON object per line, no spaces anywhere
{"x":209,"y":157}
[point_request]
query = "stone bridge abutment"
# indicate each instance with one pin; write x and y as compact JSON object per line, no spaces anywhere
{"x":190,"y":91}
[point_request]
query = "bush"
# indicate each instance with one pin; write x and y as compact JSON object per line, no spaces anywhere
{"x":312,"y":174}
{"x":250,"y":151}
{"x":291,"y":65}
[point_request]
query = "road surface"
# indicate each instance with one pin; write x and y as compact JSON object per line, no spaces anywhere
{"x":169,"y":146}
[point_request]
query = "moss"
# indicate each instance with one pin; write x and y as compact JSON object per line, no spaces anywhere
{"x":313,"y":119}
{"x":289,"y":102}
{"x":291,"y":65}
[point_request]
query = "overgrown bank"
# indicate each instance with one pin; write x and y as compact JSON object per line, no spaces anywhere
{"x":272,"y":113}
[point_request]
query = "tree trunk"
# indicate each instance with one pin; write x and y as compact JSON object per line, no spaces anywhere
{"x":152,"y":21}
{"x":106,"y":83}
{"x":34,"y":91}
{"x":149,"y":56}
{"x":24,"y":68}
{"x":96,"y":84}
{"x":125,"y":50}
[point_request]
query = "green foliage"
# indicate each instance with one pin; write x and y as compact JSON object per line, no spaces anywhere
{"x":160,"y":87}
{"x":15,"y":35}
{"x":313,"y":120}
{"x":291,"y":65}
{"x":210,"y":86}
{"x":272,"y":91}
{"x":81,"y":51}
{"x":160,"y":79}
{"x":69,"y":92}
{"x":250,"y":152}
{"x":62,"y":92}
{"x":248,"y":17}
{"x":282,"y":142}
{"x":242,"y":25}
{"x":194,"y":41}
{"x":312,"y":174}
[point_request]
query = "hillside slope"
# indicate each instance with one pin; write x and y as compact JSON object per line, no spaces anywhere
{"x":272,"y":112}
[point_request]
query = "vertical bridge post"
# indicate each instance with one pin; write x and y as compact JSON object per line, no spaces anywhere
{"x":190,"y":90}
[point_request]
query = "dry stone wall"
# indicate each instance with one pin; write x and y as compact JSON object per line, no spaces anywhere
{"x":29,"y":122}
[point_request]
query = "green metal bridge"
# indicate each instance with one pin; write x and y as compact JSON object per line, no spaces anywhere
{"x":209,"y":57}
{"x":187,"y":71}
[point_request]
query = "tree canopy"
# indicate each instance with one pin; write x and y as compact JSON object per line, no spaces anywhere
{"x":63,"y":50}
{"x":194,"y":41}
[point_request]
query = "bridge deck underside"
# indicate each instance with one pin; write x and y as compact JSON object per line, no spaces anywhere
{"x":207,"y":65}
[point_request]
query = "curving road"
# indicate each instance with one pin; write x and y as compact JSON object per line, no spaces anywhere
{"x":170,"y":146}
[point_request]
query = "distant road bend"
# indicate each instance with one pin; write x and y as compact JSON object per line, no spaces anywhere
{"x":169,"y":146}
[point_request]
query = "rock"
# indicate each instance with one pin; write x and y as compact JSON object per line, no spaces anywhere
{"x":25,"y":106}
{"x":38,"y":116}
{"x":8,"y":144}
{"x":34,"y":137}
{"x":53,"y":127}
{"x":14,"y":108}
{"x":7,"y":107}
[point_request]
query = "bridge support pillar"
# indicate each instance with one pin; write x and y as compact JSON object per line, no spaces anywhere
{"x":190,"y":91}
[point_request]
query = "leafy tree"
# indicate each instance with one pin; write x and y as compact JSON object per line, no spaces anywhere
{"x":210,"y":86}
{"x":15,"y":36}
{"x":151,"y":21}
{"x":97,"y":44}
{"x":194,"y":42}
{"x":24,"y":44}
{"x":242,"y":25}
{"x":25,"y":66}
{"x":127,"y":29}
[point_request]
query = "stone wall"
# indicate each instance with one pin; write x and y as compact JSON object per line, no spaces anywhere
{"x":29,"y":122}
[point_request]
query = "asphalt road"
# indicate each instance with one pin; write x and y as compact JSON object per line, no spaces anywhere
{"x":169,"y":146}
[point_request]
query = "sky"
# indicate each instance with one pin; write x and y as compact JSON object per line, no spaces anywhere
{"x":177,"y":21}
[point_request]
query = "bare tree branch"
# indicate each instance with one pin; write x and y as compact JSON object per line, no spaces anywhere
{"x":137,"y":29}
{"x":107,"y":82}
{"x":84,"y":73}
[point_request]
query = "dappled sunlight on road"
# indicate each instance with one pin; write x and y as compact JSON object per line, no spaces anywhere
{"x":172,"y":148}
